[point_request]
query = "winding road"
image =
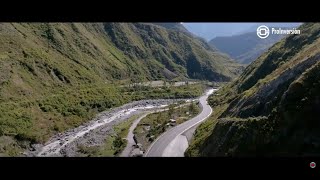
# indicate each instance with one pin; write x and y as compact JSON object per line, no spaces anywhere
{"x":62,"y":144}
{"x":130,"y":140}
{"x":58,"y":143}
{"x":127,"y":152}
{"x":172,"y":143}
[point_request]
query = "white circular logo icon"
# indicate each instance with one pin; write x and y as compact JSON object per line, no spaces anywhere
{"x":312,"y":164}
{"x":263,"y":32}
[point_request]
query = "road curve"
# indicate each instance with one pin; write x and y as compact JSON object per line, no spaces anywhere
{"x":130,"y":140}
{"x":157,"y":148}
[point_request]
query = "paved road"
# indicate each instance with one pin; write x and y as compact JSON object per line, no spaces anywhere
{"x":158,"y":147}
{"x":127,"y":151}
{"x":54,"y":146}
{"x":177,"y":147}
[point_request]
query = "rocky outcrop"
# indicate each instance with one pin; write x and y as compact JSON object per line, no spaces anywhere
{"x":269,"y":93}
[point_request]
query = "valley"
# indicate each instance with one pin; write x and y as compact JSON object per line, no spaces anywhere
{"x":272,"y":109}
{"x":157,"y":90}
{"x":55,"y":77}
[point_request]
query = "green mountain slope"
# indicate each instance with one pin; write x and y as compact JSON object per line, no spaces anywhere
{"x":169,"y":50}
{"x":246,"y":47}
{"x":56,"y":76}
{"x":272,"y":109}
{"x":173,"y":26}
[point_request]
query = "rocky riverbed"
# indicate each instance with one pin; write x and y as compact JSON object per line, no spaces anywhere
{"x":94,"y":132}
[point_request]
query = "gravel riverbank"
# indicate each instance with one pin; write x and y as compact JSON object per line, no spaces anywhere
{"x":94,"y":132}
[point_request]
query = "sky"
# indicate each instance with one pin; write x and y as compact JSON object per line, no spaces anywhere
{"x":209,"y":31}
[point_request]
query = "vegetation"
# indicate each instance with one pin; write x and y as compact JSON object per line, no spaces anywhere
{"x":114,"y":143}
{"x":153,"y":125}
{"x":56,"y":76}
{"x":146,"y":92}
{"x":9,"y":146}
{"x":280,"y":91}
{"x":246,"y":47}
{"x":170,"y":53}
{"x":37,"y":120}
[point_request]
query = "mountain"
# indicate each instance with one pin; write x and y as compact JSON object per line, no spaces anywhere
{"x":209,"y":31}
{"x":273,"y":108}
{"x":254,"y":26}
{"x":246,"y":47}
{"x":174,"y":26}
{"x":179,"y":27}
{"x":178,"y":53}
{"x":55,"y":76}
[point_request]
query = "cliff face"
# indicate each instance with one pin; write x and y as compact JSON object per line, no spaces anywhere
{"x":272,"y":109}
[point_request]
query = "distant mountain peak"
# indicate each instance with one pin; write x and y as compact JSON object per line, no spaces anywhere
{"x":245,"y":47}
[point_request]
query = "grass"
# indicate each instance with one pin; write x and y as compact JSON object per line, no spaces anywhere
{"x":158,"y":122}
{"x":204,"y":130}
{"x":244,"y":53}
{"x":145,"y":92}
{"x":122,"y":129}
{"x":286,"y":118}
{"x":107,"y":150}
{"x":37,"y":120}
{"x":9,"y":145}
{"x":56,"y":76}
{"x":114,"y":144}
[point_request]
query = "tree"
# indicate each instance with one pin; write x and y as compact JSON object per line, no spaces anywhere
{"x":159,"y":117}
{"x":171,"y":110}
{"x":135,"y":80}
{"x":179,"y":111}
{"x":118,"y":143}
{"x":171,"y":82}
{"x":165,"y":83}
{"x":192,"y":107}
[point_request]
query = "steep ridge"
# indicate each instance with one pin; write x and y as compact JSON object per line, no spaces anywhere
{"x":178,"y":53}
{"x":246,"y":47}
{"x":272,"y":109}
{"x":55,"y":76}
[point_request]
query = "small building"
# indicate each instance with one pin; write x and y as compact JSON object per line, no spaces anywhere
{"x":173,"y":122}
{"x":147,"y":128}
